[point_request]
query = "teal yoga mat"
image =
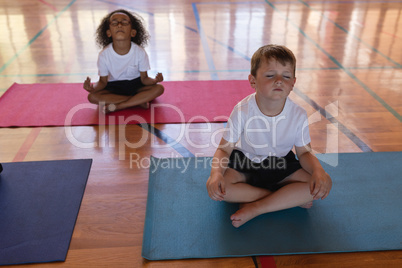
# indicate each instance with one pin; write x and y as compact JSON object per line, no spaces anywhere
{"x":362,"y":212}
{"x":39,"y":204}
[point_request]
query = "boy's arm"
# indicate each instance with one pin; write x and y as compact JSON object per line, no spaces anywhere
{"x":91,"y":88}
{"x":148,"y":81}
{"x":216,"y":183}
{"x":321,"y":182}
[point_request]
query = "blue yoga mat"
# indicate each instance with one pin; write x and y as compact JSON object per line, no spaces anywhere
{"x":39,"y":204}
{"x":362,"y":212}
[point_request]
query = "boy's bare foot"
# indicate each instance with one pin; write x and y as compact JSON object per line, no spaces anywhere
{"x":246,"y":212}
{"x":307,"y":205}
{"x":249,"y":211}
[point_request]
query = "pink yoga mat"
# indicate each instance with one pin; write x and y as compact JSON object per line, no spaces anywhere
{"x":24,"y":105}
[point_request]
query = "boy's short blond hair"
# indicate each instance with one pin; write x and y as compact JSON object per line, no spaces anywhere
{"x":280,"y":53}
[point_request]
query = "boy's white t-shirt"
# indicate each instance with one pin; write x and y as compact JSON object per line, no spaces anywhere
{"x":122,"y":67}
{"x":259,"y":136}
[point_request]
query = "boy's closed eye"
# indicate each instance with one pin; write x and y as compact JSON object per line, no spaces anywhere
{"x":284,"y":76}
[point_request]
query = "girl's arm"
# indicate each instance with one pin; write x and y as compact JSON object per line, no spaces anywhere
{"x":321,"y":182}
{"x":216,"y":183}
{"x":148,"y":81}
{"x":91,"y":88}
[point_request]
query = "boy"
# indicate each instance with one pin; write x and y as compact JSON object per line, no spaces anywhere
{"x":254,"y":164}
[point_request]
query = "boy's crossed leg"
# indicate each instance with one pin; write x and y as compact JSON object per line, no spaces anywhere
{"x":295,"y":191}
{"x":238,"y":191}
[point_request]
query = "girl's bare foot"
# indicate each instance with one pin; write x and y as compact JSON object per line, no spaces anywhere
{"x":108,"y":108}
{"x":144,"y":105}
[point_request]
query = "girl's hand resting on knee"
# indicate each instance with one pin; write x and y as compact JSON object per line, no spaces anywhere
{"x":159,"y":77}
{"x":216,"y":187}
{"x":88,"y":86}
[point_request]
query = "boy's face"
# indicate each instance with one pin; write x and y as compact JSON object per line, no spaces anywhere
{"x":120,"y":27}
{"x":273,"y":80}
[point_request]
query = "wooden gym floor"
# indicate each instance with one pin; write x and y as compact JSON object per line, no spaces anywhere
{"x":349,"y":79}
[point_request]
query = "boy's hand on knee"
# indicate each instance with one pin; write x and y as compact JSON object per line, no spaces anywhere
{"x":320,"y":185}
{"x":216,"y":187}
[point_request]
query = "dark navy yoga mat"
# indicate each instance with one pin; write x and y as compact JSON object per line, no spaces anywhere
{"x":39,"y":204}
{"x":362,"y":212}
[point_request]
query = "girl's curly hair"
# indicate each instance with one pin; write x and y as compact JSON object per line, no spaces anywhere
{"x":137,"y":23}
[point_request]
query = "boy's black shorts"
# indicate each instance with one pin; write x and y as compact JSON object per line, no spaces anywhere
{"x":266,"y":174}
{"x":125,"y":87}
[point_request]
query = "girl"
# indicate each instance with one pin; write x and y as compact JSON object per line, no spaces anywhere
{"x":123,"y":65}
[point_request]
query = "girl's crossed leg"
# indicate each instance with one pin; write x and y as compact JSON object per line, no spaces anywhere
{"x":113,"y":102}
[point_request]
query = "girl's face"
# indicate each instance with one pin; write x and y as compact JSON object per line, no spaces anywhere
{"x":120,"y":28}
